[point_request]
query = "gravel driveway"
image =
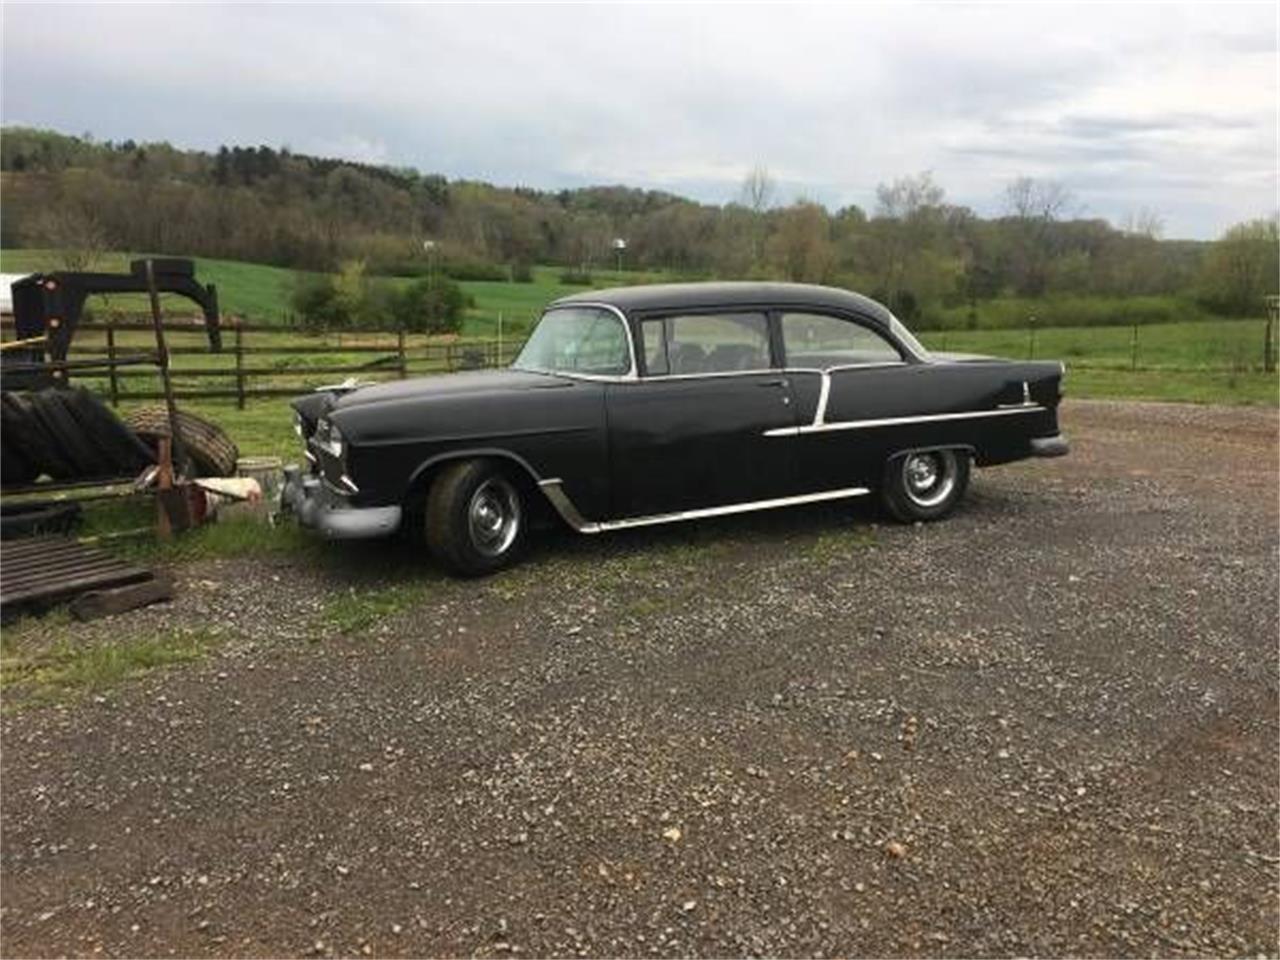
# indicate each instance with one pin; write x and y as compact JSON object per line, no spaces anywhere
{"x":1046,"y":726}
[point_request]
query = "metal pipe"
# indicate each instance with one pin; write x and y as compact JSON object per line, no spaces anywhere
{"x":162,"y":359}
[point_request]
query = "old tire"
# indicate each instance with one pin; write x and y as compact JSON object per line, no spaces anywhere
{"x":118,"y":447}
{"x":475,"y":518}
{"x":205,"y":444}
{"x":77,"y":458}
{"x":924,"y":485}
{"x":16,"y":468}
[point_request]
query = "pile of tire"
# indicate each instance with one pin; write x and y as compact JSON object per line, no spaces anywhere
{"x":68,"y":433}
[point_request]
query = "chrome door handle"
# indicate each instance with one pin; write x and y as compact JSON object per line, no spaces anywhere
{"x":780,"y":382}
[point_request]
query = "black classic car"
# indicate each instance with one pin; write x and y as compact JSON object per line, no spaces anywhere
{"x":644,"y":405}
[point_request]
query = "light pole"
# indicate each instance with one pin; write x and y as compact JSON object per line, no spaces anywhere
{"x":429,"y":247}
{"x":619,"y":247}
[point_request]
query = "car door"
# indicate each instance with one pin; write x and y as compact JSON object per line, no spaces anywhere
{"x":692,"y":431}
{"x":842,"y":370}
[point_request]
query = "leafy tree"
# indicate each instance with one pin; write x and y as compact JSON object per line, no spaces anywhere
{"x":1243,"y":268}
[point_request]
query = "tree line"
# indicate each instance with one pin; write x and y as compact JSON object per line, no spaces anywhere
{"x":934,"y":262}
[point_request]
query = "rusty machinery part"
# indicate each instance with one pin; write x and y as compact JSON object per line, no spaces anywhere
{"x":50,"y":305}
{"x":207,"y":446}
{"x":68,"y":434}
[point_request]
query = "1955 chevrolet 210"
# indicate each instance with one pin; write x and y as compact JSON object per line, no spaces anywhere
{"x":644,"y":405}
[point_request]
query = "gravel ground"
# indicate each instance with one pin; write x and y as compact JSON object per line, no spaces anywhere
{"x":1046,"y":726}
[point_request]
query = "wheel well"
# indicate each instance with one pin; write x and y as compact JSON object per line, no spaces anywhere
{"x":514,"y":469}
{"x":966,"y":448}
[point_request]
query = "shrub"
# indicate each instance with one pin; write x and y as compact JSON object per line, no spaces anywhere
{"x":320,"y":306}
{"x":473,"y":270}
{"x":430,"y":306}
{"x":581,"y":278}
{"x":521,"y":272}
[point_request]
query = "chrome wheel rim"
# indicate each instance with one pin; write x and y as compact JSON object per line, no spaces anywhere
{"x":493,"y":517}
{"x":928,"y":478}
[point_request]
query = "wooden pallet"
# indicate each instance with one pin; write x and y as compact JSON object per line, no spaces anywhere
{"x":42,"y":570}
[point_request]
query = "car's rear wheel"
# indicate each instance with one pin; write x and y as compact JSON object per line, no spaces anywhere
{"x":925,"y":484}
{"x":475,"y":518}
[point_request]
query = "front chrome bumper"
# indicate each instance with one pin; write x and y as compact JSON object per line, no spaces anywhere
{"x":318,"y":507}
{"x":1055,"y":446}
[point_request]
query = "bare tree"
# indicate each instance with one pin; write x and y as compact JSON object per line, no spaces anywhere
{"x":1045,"y":200}
{"x":907,"y":197}
{"x":758,"y":190}
{"x":1145,"y":222}
{"x":1035,"y":206}
{"x":757,"y":193}
{"x":77,"y":236}
{"x":909,"y":220}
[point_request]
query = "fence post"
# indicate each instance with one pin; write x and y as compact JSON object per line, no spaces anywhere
{"x":239,"y":364}
{"x":111,"y":357}
{"x":1269,"y":346}
{"x":404,"y":369}
{"x":1133,"y":348}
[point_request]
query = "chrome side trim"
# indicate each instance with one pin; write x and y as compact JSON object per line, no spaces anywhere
{"x":554,"y":490}
{"x":824,"y":391}
{"x":878,"y":365}
{"x":712,"y":374}
{"x":894,"y":421}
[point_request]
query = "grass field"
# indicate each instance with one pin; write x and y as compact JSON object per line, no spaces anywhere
{"x":263,"y":294}
{"x":1206,"y":361}
{"x":1194,"y":345}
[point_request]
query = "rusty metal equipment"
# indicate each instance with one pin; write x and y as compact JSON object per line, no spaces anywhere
{"x":50,"y":305}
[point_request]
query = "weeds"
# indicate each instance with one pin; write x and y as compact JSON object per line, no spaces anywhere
{"x":356,"y":609}
{"x":71,"y":668}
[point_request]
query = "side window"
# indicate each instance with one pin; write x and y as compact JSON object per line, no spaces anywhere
{"x":815,"y":340}
{"x":706,"y":343}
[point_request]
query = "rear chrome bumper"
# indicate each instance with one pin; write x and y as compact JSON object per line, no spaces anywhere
{"x":1055,"y":446}
{"x":318,"y":507}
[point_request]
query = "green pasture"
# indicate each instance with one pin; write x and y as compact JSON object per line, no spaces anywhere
{"x":263,"y":294}
{"x":1194,"y":345}
{"x":1198,"y":360}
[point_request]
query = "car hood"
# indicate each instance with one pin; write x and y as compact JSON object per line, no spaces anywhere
{"x":449,"y":385}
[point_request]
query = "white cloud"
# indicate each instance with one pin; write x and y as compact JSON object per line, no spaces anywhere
{"x":1171,"y":107}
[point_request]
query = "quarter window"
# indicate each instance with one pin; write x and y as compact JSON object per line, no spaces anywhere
{"x":816,"y":340}
{"x":706,"y":343}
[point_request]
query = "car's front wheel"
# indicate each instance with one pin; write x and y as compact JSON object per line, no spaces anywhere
{"x":475,"y":518}
{"x":925,"y":484}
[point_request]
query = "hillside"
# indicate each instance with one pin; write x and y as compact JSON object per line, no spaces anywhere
{"x":932,"y":261}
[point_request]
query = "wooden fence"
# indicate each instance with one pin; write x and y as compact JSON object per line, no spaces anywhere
{"x":259,"y":360}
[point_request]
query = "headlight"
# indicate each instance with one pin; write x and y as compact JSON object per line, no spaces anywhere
{"x":297,"y":425}
{"x":329,"y":438}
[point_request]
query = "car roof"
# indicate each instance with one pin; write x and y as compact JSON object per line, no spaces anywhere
{"x":678,"y":296}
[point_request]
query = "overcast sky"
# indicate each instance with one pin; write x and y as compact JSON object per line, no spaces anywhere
{"x":1167,"y":107}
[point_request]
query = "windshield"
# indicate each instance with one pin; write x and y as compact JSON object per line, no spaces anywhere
{"x":589,"y":340}
{"x":905,"y":336}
